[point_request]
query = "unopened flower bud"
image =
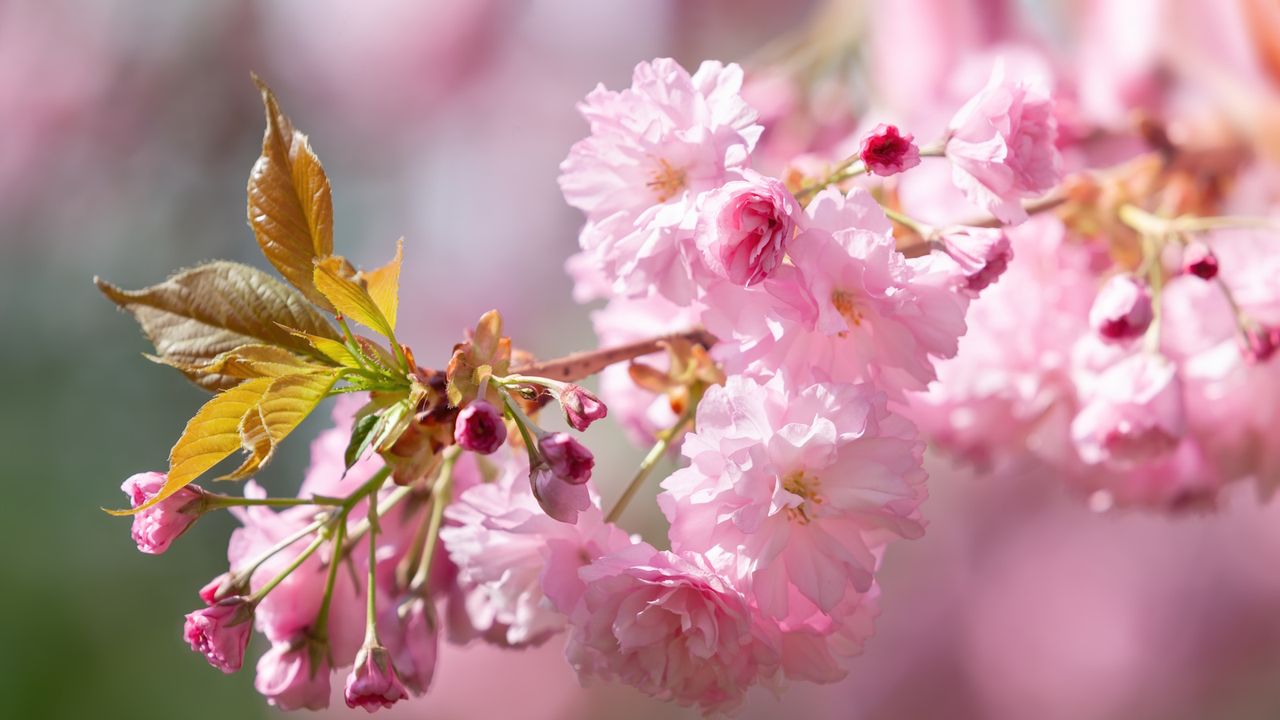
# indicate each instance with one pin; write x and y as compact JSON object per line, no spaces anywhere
{"x":1122,"y":310}
{"x":479,"y":428}
{"x":568,"y":459}
{"x":886,"y":151}
{"x":1199,"y":260}
{"x":373,"y":682}
{"x":983,"y":255}
{"x":222,"y":587}
{"x":1260,"y":343}
{"x":581,"y":407}
{"x":220,"y":632}
{"x":155,"y":528}
{"x":292,"y":676}
{"x":558,"y":498}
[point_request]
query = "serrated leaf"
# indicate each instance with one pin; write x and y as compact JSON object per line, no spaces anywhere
{"x":383,"y":285}
{"x":209,"y":438}
{"x":334,"y":350}
{"x":361,"y":434}
{"x":251,"y":361}
{"x":284,"y":405}
{"x":290,"y":203}
{"x":336,"y":279}
{"x":200,"y":313}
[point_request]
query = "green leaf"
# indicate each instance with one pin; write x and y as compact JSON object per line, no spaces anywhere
{"x":290,"y":202}
{"x":361,"y":435}
{"x":337,"y":280}
{"x":201,"y":313}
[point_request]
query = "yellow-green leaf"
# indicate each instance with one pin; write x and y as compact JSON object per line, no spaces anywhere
{"x":335,"y":278}
{"x":256,"y":442}
{"x":200,"y":313}
{"x":250,"y":361}
{"x":332,"y":349}
{"x":284,"y":405}
{"x":383,"y":285}
{"x":209,"y":438}
{"x":290,"y":202}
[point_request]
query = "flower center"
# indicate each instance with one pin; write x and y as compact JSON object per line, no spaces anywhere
{"x":844,"y":304}
{"x":667,"y":181}
{"x":806,"y":486}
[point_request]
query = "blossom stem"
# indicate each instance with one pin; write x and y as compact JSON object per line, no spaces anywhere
{"x":577,"y":366}
{"x":371,"y":613}
{"x":392,"y":499}
{"x":321,"y":626}
{"x":1035,"y":207}
{"x":852,"y":167}
{"x":225,"y":501}
{"x":297,"y":563}
{"x":915,"y":226}
{"x":271,"y":552}
{"x":650,"y":460}
{"x":441,"y":493}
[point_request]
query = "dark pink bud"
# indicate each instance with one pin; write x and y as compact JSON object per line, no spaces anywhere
{"x":886,"y":151}
{"x":294,"y":676}
{"x":222,"y":587}
{"x":1260,"y":343}
{"x":373,"y":683}
{"x":479,"y":428}
{"x":1122,"y":310}
{"x":568,"y":459}
{"x":155,"y":528}
{"x":1199,"y":260}
{"x":983,"y":255}
{"x":581,"y":407}
{"x":220,"y":632}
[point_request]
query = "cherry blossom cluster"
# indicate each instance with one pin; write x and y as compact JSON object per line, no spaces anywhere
{"x":813,"y":333}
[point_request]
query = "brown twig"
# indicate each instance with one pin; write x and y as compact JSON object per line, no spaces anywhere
{"x":580,"y":365}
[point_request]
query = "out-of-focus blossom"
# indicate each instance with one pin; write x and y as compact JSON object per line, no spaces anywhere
{"x":1133,"y":414}
{"x":155,"y":528}
{"x":1122,"y":311}
{"x":653,"y":149}
{"x":745,"y":228}
{"x":1199,"y":260}
{"x":886,"y":151}
{"x":983,"y":255}
{"x":671,"y":627}
{"x":289,"y":679}
{"x":1002,"y":148}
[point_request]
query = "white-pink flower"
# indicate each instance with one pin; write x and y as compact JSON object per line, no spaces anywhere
{"x":1002,"y":146}
{"x":1133,"y":413}
{"x":803,"y":485}
{"x":851,"y":309}
{"x":507,"y":550}
{"x":671,"y":626}
{"x":745,"y":228}
{"x":653,"y":149}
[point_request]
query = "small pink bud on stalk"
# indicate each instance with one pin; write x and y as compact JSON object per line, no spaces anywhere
{"x":560,"y":480}
{"x":581,"y":407}
{"x":1122,"y":311}
{"x":155,"y":528}
{"x":479,"y":428}
{"x":220,"y":632}
{"x":568,"y":459}
{"x":887,"y":151}
{"x":373,"y":683}
{"x":294,"y":675}
{"x":1199,"y":260}
{"x":983,"y":255}
{"x":222,"y":587}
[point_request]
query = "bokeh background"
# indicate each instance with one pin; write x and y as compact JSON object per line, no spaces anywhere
{"x":126,"y":135}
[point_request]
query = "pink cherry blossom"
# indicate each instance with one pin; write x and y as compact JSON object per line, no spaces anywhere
{"x":417,"y":646}
{"x":983,"y":255}
{"x":568,"y":459}
{"x":220,"y":632}
{"x":853,"y":308}
{"x":653,"y":149}
{"x":669,"y":626}
{"x":581,"y":407}
{"x":1199,"y":260}
{"x":1002,"y":149}
{"x":373,"y":682}
{"x":155,"y":528}
{"x":886,"y":151}
{"x":480,"y":428}
{"x":1133,"y":413}
{"x":508,"y":550}
{"x":559,"y":498}
{"x":745,"y":228}
{"x":1122,"y":311}
{"x":289,"y":679}
{"x":804,"y":485}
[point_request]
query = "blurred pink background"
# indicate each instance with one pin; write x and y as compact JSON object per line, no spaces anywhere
{"x":126,"y":136}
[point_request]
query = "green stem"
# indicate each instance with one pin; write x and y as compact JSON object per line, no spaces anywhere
{"x":320,"y":629}
{"x":917,"y":227}
{"x":247,"y":572}
{"x":371,"y":612}
{"x":440,"y":496}
{"x":217,"y":502}
{"x":392,"y":499}
{"x":646,"y":466}
{"x":352,"y":345}
{"x":297,"y":563}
